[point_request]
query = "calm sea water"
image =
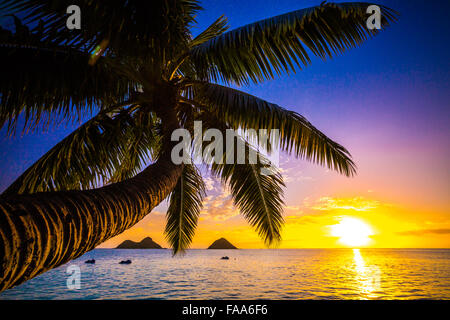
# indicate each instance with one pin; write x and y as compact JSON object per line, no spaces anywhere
{"x":250,"y":274}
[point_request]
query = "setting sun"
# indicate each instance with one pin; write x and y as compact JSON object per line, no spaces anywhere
{"x":352,"y":232}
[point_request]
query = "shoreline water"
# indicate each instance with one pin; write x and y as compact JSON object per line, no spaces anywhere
{"x":249,"y":274}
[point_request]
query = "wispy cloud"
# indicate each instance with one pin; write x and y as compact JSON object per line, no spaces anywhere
{"x":356,"y":204}
{"x":219,"y":206}
{"x":210,"y":183}
{"x":294,"y":175}
{"x":301,"y":220}
{"x":421,"y":232}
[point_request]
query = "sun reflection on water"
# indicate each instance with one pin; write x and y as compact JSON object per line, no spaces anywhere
{"x":367,"y":276}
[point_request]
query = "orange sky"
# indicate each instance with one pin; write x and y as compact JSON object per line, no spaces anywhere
{"x":315,"y":202}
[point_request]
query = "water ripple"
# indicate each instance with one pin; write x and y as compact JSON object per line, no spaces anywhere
{"x":250,"y":274}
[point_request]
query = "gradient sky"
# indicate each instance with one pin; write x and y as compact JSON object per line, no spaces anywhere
{"x":386,"y":101}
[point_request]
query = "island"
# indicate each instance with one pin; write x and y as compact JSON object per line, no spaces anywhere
{"x":221,"y":243}
{"x":146,"y":243}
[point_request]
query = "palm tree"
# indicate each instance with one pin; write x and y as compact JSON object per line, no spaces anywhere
{"x":136,"y":66}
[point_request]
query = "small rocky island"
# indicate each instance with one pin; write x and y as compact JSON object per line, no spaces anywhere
{"x":146,"y":243}
{"x":221,"y":243}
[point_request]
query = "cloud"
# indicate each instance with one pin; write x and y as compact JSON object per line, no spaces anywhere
{"x":292,"y":210}
{"x":219,"y":206}
{"x":356,"y":204}
{"x":209,"y":183}
{"x":422,"y":232}
{"x":293,"y":175}
{"x":301,"y":220}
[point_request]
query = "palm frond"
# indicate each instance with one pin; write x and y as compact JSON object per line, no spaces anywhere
{"x":269,"y":47}
{"x":44,"y":81}
{"x":258,"y":196}
{"x":214,"y":30}
{"x":181,"y":64}
{"x":133,"y":28}
{"x":144,"y":144}
{"x":184,"y":209}
{"x":297,"y":135}
{"x":90,"y":156}
{"x":256,"y":186}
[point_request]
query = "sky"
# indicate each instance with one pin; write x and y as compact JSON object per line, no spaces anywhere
{"x":386,"y":101}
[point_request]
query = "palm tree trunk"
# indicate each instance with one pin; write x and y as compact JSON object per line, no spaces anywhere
{"x":41,"y":231}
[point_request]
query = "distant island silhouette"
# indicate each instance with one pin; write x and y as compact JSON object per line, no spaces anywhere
{"x":221,"y":243}
{"x":146,"y":243}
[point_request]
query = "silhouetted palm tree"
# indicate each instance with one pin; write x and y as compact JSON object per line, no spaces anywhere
{"x":137,"y":66}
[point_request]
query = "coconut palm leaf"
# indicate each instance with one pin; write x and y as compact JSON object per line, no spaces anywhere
{"x":44,"y":81}
{"x":261,"y":50}
{"x":256,"y":186}
{"x":133,"y":28}
{"x":180,"y":64}
{"x":184,"y":209}
{"x":107,"y":148}
{"x":297,"y":135}
{"x":214,"y":30}
{"x":258,"y":195}
{"x":144,"y":144}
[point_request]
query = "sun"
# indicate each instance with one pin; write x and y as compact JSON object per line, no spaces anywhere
{"x":352,"y":232}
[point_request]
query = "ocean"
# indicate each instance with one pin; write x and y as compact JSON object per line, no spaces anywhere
{"x":248,"y":274}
